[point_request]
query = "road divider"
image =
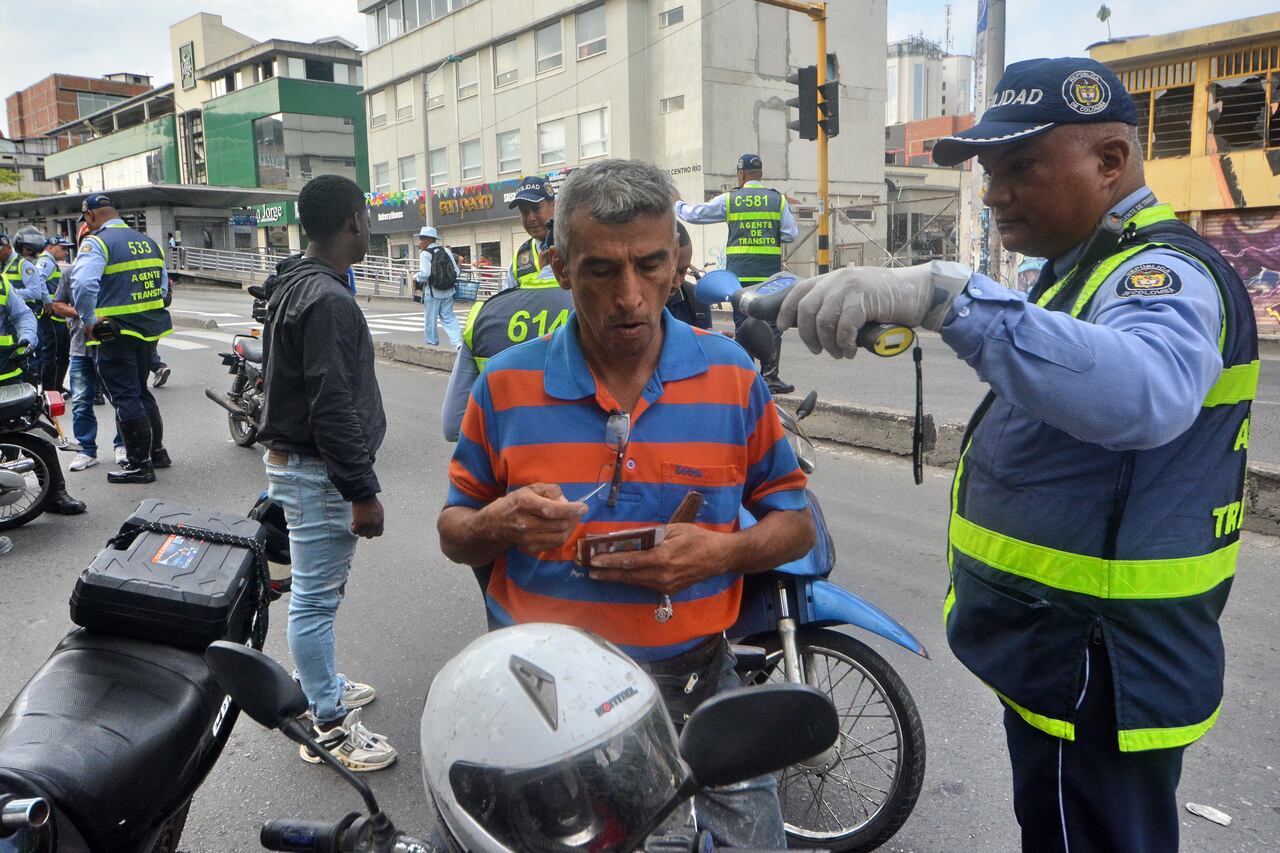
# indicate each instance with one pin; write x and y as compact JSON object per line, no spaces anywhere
{"x":189,"y":322}
{"x":889,"y":431}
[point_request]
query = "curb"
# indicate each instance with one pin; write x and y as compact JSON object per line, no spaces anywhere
{"x":889,"y":431}
{"x":193,"y":322}
{"x":1269,"y":346}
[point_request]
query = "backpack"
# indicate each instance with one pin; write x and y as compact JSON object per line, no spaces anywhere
{"x":443,"y":276}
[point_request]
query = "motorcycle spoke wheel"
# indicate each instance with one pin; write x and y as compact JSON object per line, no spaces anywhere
{"x":243,"y":432}
{"x":866,"y":787}
{"x":35,"y":496}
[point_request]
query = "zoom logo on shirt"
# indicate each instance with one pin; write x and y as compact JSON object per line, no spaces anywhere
{"x":1149,"y":280}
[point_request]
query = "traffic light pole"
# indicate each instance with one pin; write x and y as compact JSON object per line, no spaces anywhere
{"x":817,"y":13}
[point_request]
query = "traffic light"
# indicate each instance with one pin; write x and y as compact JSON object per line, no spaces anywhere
{"x":829,"y":98}
{"x":806,"y":79}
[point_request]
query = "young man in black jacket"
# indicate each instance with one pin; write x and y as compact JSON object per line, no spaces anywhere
{"x":322,"y":424}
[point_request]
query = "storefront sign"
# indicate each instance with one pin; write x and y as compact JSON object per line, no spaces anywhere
{"x":187,"y":65}
{"x":244,"y":219}
{"x":398,"y":217}
{"x":276,"y":213}
{"x":482,"y":202}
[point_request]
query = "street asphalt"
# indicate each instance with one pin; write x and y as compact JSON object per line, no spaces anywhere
{"x":952,"y":389}
{"x":408,"y":610}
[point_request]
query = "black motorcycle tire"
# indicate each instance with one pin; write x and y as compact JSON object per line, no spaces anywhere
{"x":171,"y":832}
{"x":908,"y":773}
{"x":244,"y":432}
{"x":22,"y":444}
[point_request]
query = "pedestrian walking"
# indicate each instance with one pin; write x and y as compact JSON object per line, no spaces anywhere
{"x":322,"y":424}
{"x":760,"y":221}
{"x":537,"y":208}
{"x":1097,"y":503}
{"x":120,"y":290}
{"x":438,"y":276}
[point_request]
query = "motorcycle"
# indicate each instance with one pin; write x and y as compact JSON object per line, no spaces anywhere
{"x":25,"y":479}
{"x":244,"y":401}
{"x":104,"y":747}
{"x":764,"y":718}
{"x":856,"y":794}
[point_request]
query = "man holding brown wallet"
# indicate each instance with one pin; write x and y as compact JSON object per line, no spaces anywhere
{"x":604,"y":427}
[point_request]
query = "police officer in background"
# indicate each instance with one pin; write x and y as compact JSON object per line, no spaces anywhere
{"x":121,"y":293}
{"x":25,"y":280}
{"x":1097,"y":502}
{"x":760,"y":221}
{"x":537,"y":209}
{"x":55,"y":347}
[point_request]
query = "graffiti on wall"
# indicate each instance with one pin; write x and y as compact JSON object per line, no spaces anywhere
{"x":1250,"y":241}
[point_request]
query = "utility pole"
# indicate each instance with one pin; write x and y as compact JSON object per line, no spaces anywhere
{"x":988,"y":66}
{"x":817,"y":13}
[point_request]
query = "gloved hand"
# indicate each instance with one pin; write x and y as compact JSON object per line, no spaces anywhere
{"x":830,"y":309}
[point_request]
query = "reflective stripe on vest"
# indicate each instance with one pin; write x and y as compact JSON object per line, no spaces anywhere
{"x":51,"y":284}
{"x":526,"y":273}
{"x":6,"y":340}
{"x":1082,"y":578}
{"x":753,"y":250}
{"x":129,"y":290}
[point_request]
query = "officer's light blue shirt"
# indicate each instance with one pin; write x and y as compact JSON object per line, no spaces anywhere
{"x":424,"y":264}
{"x":1132,"y":377}
{"x":716,"y":210}
{"x":86,"y":274}
{"x":19,"y":321}
{"x":47,"y":266}
{"x":32,"y":288}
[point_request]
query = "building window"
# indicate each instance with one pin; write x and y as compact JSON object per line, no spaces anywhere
{"x":590,"y":27}
{"x":319,"y":69}
{"x":551,"y":143}
{"x":297,"y":68}
{"x":381,"y":177}
{"x":468,"y":82}
{"x":509,"y":151}
{"x":469,"y":159}
{"x":1171,"y":121}
{"x":1239,"y":113}
{"x":408,"y":172}
{"x":395,"y":19}
{"x":504,"y":63}
{"x":378,"y":108}
{"x":593,"y":134}
{"x":404,"y":100}
{"x":410,"y":14}
{"x":671,"y":105}
{"x":342,"y":73}
{"x":438,"y":167}
{"x":549,"y":44}
{"x":671,"y":16}
{"x":382,"y":24}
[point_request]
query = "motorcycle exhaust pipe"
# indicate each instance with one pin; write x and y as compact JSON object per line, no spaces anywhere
{"x":16,"y":814}
{"x":225,"y":401}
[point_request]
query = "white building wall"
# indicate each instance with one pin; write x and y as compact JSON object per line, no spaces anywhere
{"x":957,"y":85}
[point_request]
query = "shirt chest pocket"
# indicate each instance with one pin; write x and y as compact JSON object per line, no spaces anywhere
{"x":719,"y":485}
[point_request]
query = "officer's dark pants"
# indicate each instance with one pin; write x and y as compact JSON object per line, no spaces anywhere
{"x":45,"y":450}
{"x":54,"y":352}
{"x":769,"y":368}
{"x":124,"y":364}
{"x":1086,"y":795}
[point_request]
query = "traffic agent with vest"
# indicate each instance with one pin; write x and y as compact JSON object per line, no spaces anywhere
{"x":1097,"y":504}
{"x":55,"y":337}
{"x":537,"y":208}
{"x":121,"y":292}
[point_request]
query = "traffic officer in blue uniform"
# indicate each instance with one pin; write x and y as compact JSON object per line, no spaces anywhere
{"x":537,"y":209}
{"x":1097,"y":503}
{"x":121,"y":292}
{"x":55,"y":338}
{"x":760,"y":221}
{"x":24,"y":279}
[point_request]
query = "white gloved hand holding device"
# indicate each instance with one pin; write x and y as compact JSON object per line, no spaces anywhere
{"x":828,"y":310}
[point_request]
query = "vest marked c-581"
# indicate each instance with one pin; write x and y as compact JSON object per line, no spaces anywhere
{"x":753,"y":251}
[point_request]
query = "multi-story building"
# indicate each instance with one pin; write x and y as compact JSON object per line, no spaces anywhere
{"x":466,"y":97}
{"x":1208,"y":104}
{"x":240,"y":113}
{"x":911,"y":144}
{"x":25,"y":158}
{"x":62,"y":98}
{"x":924,"y":81}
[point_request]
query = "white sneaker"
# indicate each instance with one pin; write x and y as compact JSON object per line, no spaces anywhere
{"x":82,"y":461}
{"x":359,"y":749}
{"x":354,"y":694}
{"x":122,"y":455}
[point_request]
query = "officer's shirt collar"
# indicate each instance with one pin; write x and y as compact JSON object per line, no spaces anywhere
{"x":110,"y":223}
{"x":1124,"y":208}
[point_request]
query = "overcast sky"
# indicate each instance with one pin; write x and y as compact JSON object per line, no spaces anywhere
{"x":133,"y":36}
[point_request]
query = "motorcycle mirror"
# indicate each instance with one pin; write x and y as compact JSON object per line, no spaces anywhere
{"x":717,"y":286}
{"x":257,"y":291}
{"x":741,"y":734}
{"x":806,"y":408}
{"x":756,"y":338}
{"x":258,"y":684}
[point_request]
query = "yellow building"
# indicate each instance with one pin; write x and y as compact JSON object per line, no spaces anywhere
{"x":1208,"y":103}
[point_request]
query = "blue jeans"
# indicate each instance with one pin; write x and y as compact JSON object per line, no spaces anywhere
{"x":84,"y":423}
{"x":322,"y":545}
{"x":441,"y":308}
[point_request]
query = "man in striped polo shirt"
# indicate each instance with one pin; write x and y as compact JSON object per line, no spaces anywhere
{"x":627,"y":398}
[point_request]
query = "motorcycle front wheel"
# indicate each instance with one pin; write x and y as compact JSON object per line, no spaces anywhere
{"x":22,"y":447}
{"x":857,"y":794}
{"x":243,"y":431}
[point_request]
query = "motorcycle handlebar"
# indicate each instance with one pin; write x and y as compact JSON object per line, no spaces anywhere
{"x":296,"y":835}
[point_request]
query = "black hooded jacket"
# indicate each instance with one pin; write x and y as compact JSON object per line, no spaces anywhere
{"x":321,"y":396}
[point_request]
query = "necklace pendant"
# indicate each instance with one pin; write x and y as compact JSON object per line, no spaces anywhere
{"x":665,"y":611}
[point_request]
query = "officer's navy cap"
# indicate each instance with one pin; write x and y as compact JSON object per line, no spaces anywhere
{"x":533,"y":189}
{"x":750,"y":163}
{"x":1037,"y":95}
{"x":95,"y":201}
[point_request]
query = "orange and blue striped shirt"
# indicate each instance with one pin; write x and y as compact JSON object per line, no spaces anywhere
{"x":705,"y":421}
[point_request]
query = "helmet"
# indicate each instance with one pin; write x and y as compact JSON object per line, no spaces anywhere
{"x":544,"y":737}
{"x":29,"y":238}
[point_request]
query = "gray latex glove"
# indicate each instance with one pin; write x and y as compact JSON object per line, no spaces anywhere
{"x":830,"y":309}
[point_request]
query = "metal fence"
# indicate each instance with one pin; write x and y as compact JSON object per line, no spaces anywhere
{"x":903,"y":233}
{"x":375,"y":276}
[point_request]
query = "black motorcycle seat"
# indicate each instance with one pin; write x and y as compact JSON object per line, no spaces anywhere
{"x":250,"y":348}
{"x":16,"y":399}
{"x":112,"y":729}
